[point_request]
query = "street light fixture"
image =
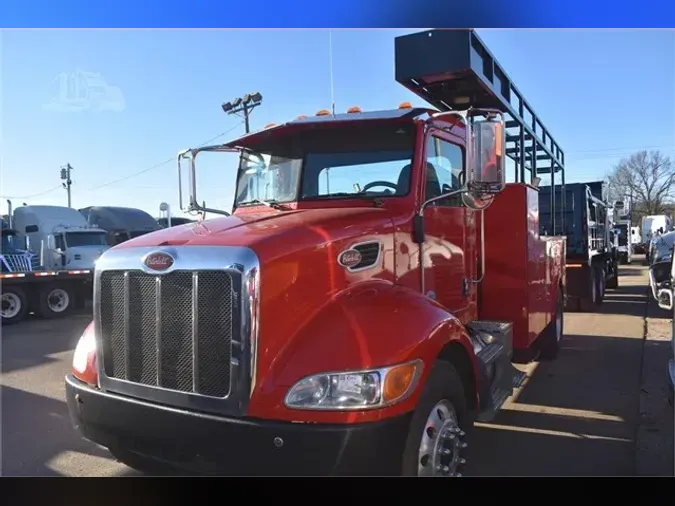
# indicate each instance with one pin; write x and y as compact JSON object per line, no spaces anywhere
{"x":244,"y":105}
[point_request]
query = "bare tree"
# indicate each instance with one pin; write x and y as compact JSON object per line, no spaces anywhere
{"x":648,"y":179}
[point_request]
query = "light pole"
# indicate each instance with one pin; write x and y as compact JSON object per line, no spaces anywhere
{"x":244,"y":105}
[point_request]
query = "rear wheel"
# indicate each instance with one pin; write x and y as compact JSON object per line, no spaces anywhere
{"x":589,"y":303}
{"x":14,"y":305}
{"x":438,"y":431}
{"x":55,"y":301}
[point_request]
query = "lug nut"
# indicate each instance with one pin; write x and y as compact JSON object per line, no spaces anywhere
{"x":462,"y":433}
{"x":463,"y":445}
{"x":458,"y":475}
{"x":462,"y":461}
{"x":444,"y":451}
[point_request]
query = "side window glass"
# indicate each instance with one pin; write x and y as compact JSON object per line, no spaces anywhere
{"x":58,"y":242}
{"x":445,"y":164}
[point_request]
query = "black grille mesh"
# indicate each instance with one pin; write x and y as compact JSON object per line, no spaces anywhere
{"x":181,"y":341}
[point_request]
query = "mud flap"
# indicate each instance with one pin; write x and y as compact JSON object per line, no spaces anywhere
{"x":497,"y":377}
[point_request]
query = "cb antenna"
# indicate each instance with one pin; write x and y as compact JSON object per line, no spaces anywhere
{"x":330,"y":64}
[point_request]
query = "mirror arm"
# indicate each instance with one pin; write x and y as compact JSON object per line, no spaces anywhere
{"x":418,"y":229}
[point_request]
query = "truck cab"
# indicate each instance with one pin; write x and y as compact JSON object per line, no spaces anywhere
{"x":358,"y":309}
{"x":120,"y":223}
{"x":59,"y":236}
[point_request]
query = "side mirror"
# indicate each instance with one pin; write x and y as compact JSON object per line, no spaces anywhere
{"x":665,"y":299}
{"x":486,"y":174}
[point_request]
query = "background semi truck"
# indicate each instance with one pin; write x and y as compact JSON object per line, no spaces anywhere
{"x":356,"y":330}
{"x":120,"y":223}
{"x":591,"y":255}
{"x":48,"y":253}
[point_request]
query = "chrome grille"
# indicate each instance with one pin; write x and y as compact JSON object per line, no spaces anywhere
{"x":173,"y":331}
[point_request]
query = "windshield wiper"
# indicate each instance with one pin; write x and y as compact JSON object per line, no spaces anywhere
{"x":269,"y":203}
{"x":345,"y":194}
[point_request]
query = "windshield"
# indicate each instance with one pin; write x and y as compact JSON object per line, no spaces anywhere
{"x":337,"y":162}
{"x":76,"y":239}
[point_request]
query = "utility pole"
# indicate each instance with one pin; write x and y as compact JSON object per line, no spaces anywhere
{"x":243,"y":105}
{"x":65,"y":176}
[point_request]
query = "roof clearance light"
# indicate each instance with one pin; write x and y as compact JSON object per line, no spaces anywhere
{"x":302,"y":116}
{"x":354,"y":109}
{"x":323,"y":112}
{"x":405,"y":105}
{"x":270,"y":125}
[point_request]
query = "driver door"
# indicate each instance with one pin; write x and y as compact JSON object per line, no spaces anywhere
{"x":448,"y":247}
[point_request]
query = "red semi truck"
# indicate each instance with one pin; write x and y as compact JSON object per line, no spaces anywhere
{"x":359,"y":309}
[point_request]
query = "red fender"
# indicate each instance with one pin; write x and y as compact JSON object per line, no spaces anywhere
{"x":370,"y":325}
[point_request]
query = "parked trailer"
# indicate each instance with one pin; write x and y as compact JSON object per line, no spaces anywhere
{"x":27,"y":286}
{"x":359,"y":329}
{"x":48,"y":294}
{"x":592,"y":264}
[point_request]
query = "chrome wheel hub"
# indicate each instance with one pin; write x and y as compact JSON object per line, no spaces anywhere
{"x":442,"y":443}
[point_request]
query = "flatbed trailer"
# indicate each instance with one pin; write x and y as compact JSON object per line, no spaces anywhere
{"x":48,"y":294}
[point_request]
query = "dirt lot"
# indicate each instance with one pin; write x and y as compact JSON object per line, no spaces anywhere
{"x":600,"y":409}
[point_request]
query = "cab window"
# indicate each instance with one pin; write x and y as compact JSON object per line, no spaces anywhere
{"x":445,"y":165}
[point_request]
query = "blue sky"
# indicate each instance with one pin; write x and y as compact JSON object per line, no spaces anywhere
{"x":602,"y":94}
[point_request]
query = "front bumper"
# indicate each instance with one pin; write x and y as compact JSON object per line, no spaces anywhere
{"x":205,"y":444}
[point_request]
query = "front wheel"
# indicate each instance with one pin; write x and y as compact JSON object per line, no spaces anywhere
{"x":437,"y":438}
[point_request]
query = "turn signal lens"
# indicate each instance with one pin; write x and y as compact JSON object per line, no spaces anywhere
{"x":398,"y":380}
{"x":84,"y":358}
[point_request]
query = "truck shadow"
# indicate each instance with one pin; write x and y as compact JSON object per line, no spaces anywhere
{"x":31,"y":342}
{"x":625,"y":300}
{"x":577,"y":416}
{"x":38,"y":439}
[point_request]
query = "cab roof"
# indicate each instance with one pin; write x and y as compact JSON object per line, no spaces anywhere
{"x":302,"y":123}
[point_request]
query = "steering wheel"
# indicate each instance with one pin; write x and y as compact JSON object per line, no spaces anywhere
{"x":379,"y":183}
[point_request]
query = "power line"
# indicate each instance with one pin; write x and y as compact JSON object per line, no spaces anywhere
{"x":32,"y":196}
{"x":168,"y":160}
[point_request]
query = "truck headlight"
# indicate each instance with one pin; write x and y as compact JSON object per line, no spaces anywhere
{"x":355,"y":390}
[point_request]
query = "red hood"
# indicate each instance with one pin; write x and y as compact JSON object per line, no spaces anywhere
{"x":272,"y":233}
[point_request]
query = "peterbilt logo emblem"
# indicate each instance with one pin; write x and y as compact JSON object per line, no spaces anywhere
{"x":158,"y":261}
{"x":349,"y":258}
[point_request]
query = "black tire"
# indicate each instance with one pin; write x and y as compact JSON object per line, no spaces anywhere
{"x":444,"y":384}
{"x":47,"y":301}
{"x":11,"y":296}
{"x":549,"y":342}
{"x":601,"y":280}
{"x":588,"y":304}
